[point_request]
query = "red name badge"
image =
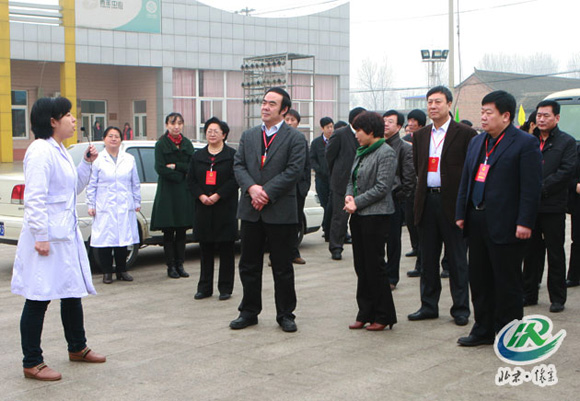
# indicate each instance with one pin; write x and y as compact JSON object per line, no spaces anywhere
{"x":433,"y":164}
{"x":210,"y":177}
{"x":482,"y":172}
{"x":263,"y":161}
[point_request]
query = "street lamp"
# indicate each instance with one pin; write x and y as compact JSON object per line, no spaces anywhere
{"x":432,"y":57}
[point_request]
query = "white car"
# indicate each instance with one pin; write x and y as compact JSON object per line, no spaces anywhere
{"x":12,"y":200}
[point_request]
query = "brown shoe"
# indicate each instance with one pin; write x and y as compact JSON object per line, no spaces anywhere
{"x":42,"y":372}
{"x":86,"y":355}
{"x":357,"y":325}
{"x":299,"y":261}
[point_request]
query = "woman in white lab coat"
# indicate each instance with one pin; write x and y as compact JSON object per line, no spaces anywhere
{"x":113,"y":199}
{"x":51,"y":260}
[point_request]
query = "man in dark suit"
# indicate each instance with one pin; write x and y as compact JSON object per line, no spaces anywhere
{"x":559,"y":164}
{"x":320,"y":167}
{"x":496,"y":207}
{"x":340,"y":153}
{"x":402,"y":191}
{"x":293,"y":118}
{"x":268,"y":165}
{"x":438,"y":154}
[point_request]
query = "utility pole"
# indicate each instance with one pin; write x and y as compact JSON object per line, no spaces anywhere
{"x":246,"y":11}
{"x":451,"y":49}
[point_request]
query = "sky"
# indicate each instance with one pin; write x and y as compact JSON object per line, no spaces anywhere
{"x":398,"y":30}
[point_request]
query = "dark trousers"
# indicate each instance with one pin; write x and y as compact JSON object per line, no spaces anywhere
{"x":280,"y":238}
{"x":338,"y":223}
{"x":174,"y":245}
{"x":550,"y":226}
{"x":227,"y":267}
{"x":394,"y":243}
{"x":323,"y":191}
{"x":434,"y":230}
{"x":574,"y":267}
{"x":32,"y":320}
{"x":300,"y":200}
{"x":495,"y":278}
{"x":408,"y":207}
{"x":106,"y":259}
{"x":373,"y":293}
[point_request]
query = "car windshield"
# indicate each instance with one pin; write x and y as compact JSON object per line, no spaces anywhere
{"x":78,"y":150}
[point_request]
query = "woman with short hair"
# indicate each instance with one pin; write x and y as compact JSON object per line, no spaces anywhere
{"x":114,"y":199}
{"x":369,"y":202}
{"x":51,"y":260}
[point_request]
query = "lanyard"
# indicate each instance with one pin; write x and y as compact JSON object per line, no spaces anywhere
{"x":487,"y":154}
{"x":212,"y":159}
{"x":542,"y":143}
{"x":440,"y":142}
{"x":267,"y":143}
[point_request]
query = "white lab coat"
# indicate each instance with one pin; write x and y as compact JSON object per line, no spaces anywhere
{"x":114,"y":191}
{"x":51,"y":186}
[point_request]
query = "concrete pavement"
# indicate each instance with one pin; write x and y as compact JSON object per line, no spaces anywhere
{"x":161,"y":344}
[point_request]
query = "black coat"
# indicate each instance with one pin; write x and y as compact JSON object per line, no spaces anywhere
{"x":215,"y":223}
{"x":173,"y":205}
{"x":318,"y":158}
{"x":559,"y":165}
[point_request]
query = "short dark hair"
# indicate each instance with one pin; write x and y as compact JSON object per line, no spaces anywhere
{"x":286,"y":101}
{"x":466,"y":122}
{"x":370,"y":122}
{"x":400,"y":117}
{"x":43,"y":110}
{"x":324,"y":121}
{"x":441,"y":89}
{"x":340,"y":124}
{"x":504,"y":102}
{"x":418,"y":115}
{"x":172,"y":117}
{"x":112,"y":128}
{"x":294,"y":113}
{"x":354,"y":113}
{"x":550,"y":103}
{"x":222,"y":124}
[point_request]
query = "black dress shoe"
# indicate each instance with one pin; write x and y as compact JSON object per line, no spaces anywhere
{"x":108,"y":278}
{"x":171,"y":272}
{"x":556,"y":307}
{"x":288,"y":325}
{"x":336,"y":255}
{"x":224,"y":296}
{"x":181,"y":271}
{"x":461,"y":320}
{"x":572,"y":283}
{"x":444,"y":273}
{"x":413,"y":273}
{"x":201,"y":295}
{"x":411,"y":254}
{"x":124,"y":276}
{"x":420,"y":315}
{"x":243,"y":322}
{"x":473,"y":341}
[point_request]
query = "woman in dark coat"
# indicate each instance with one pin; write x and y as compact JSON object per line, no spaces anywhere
{"x":173,"y":205}
{"x":212,"y":182}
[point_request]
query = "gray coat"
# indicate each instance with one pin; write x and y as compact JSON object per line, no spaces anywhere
{"x":376,"y":175}
{"x":281,"y":172}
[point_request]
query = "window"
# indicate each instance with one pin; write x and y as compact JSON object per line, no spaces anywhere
{"x":19,"y":113}
{"x":145,"y":161}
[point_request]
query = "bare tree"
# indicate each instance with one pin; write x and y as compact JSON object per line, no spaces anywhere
{"x":574,"y":65}
{"x":538,"y":63}
{"x":373,"y":80}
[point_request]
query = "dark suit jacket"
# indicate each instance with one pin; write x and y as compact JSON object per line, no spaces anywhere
{"x":405,"y":178}
{"x":512,"y":186}
{"x":318,"y":157}
{"x":340,"y":152}
{"x":451,"y":164}
{"x":279,"y":176}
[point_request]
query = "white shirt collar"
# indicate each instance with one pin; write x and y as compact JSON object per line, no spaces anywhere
{"x":443,"y":128}
{"x":274,"y":129}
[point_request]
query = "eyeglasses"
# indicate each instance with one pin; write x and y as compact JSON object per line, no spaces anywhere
{"x":213,"y":132}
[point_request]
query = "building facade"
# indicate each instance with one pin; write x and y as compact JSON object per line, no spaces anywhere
{"x":172,"y":55}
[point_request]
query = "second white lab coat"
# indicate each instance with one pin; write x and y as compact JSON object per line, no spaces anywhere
{"x":114,"y":192}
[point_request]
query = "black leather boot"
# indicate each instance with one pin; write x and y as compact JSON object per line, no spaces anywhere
{"x":172,"y":271}
{"x":180,"y":270}
{"x":169,"y":250}
{"x":180,"y":253}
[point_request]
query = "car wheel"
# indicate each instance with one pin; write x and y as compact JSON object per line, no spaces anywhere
{"x":301,"y":231}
